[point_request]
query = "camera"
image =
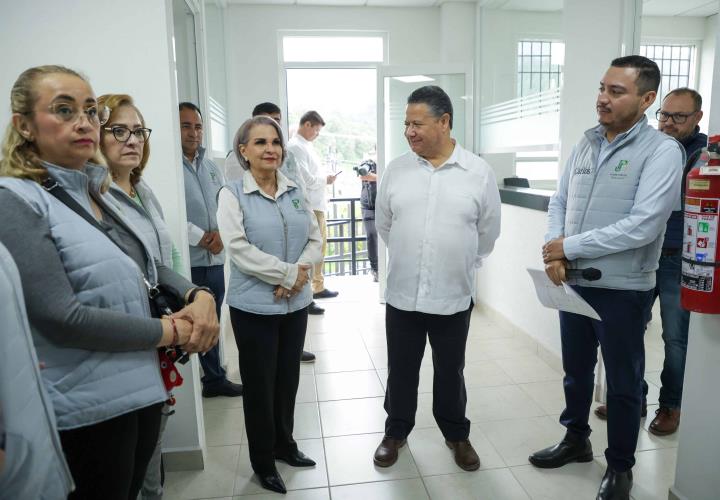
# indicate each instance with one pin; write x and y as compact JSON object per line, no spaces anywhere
{"x":365,"y":168}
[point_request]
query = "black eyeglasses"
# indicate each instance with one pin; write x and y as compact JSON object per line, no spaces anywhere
{"x":122,"y":133}
{"x":677,"y":118}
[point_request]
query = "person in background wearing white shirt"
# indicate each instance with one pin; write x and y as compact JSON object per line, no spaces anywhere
{"x":438,"y":211}
{"x":310,"y":165}
{"x":203,"y":180}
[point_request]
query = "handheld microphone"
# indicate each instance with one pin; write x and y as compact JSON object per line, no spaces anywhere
{"x":589,"y":274}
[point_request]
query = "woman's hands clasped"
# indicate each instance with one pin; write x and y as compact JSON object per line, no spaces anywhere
{"x":303,"y":276}
{"x":203,"y":318}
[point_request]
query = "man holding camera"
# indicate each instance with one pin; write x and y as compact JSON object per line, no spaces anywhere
{"x":367,"y":171}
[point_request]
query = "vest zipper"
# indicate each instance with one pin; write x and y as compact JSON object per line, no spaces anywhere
{"x":285,"y":234}
{"x":196,"y":172}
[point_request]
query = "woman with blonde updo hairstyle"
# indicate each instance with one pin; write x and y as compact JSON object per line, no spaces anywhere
{"x":83,"y":268}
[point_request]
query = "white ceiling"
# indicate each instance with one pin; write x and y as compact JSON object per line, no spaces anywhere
{"x":699,"y":8}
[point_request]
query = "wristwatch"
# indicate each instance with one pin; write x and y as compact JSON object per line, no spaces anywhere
{"x":194,"y":291}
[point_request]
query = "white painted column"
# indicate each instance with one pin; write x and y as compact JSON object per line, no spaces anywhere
{"x":698,"y":456}
{"x":80,"y":35}
{"x":595,"y":33}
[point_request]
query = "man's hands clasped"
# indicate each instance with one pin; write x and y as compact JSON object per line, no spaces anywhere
{"x":555,"y":262}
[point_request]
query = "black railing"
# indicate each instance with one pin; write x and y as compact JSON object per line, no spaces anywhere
{"x":346,"y":252}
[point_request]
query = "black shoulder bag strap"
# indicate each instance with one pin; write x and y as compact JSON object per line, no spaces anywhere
{"x":58,"y":192}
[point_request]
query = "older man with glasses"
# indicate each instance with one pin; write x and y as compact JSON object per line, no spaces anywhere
{"x":678,"y":117}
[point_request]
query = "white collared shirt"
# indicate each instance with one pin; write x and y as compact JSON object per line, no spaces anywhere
{"x":246,"y":256}
{"x":438,"y":223}
{"x":310,"y":167}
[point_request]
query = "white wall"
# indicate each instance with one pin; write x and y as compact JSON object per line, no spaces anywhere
{"x":253,"y":54}
{"x":707,"y":66}
{"x":68,"y":33}
{"x":504,"y":284}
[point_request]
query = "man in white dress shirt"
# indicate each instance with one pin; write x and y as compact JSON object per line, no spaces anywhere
{"x":310,"y":165}
{"x":438,"y":211}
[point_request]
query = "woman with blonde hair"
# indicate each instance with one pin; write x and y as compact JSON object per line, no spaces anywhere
{"x":83,"y":269}
{"x":125,"y":147}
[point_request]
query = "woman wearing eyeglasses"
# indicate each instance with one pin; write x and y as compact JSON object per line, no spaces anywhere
{"x":124,"y":144}
{"x":125,"y":147}
{"x":83,"y":269}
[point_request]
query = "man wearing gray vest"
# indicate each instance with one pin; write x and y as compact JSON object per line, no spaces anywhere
{"x":203,"y":180}
{"x":619,"y":186}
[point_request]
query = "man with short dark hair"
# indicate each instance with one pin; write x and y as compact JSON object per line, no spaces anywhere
{"x":438,"y":210}
{"x":619,"y":186}
{"x":678,"y":117}
{"x":302,"y":149}
{"x":203,"y":180}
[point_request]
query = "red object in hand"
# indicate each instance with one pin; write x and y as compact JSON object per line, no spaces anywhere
{"x":170,"y":375}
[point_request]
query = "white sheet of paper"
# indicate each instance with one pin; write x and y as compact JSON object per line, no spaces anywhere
{"x":563,"y":298}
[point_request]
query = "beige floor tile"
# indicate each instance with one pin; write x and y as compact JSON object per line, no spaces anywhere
{"x":348,"y":385}
{"x":306,"y":389}
{"x":549,"y":395}
{"x":571,"y":482}
{"x":378,"y":355}
{"x":350,"y":460}
{"x":500,"y":403}
{"x":345,"y":360}
{"x":216,"y":480}
{"x":433,"y":457}
{"x":485,"y":374}
{"x":224,"y":427}
{"x":295,"y":478}
{"x":528,"y":369}
{"x":502,"y":348}
{"x":307,"y":422}
{"x":311,"y":494}
{"x":403,"y":489}
{"x":352,"y":416}
{"x":335,"y":341}
{"x":221,"y":403}
{"x":496,"y":484}
{"x":516,"y":439}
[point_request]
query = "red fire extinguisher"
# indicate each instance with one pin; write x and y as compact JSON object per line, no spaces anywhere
{"x":700,"y":279}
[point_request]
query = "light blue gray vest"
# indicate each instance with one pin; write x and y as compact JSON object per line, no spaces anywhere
{"x":280,"y":228}
{"x":600,"y":195}
{"x":201,"y":188}
{"x":87,"y":387}
{"x":147,"y":220}
{"x":34,"y":463}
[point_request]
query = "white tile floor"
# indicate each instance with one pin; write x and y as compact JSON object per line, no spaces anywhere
{"x":514,"y":399}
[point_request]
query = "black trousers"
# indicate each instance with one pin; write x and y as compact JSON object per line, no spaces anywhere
{"x":406,"y":332}
{"x":212,"y":277}
{"x":269,"y":349}
{"x":372,"y":237}
{"x":108,"y":460}
{"x":620,"y":336}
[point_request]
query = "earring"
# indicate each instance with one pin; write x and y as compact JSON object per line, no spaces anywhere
{"x":245,"y":158}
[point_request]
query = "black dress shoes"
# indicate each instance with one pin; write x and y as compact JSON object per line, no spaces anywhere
{"x":225,"y":388}
{"x":296,"y":458}
{"x":273,"y":482}
{"x":615,"y":485}
{"x":570,"y":449}
{"x":313,"y":308}
{"x":307,"y":357}
{"x":325,"y":294}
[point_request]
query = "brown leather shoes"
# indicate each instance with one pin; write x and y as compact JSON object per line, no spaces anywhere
{"x":465,"y":455}
{"x":601,"y":411}
{"x":666,"y":421}
{"x":386,"y":453}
